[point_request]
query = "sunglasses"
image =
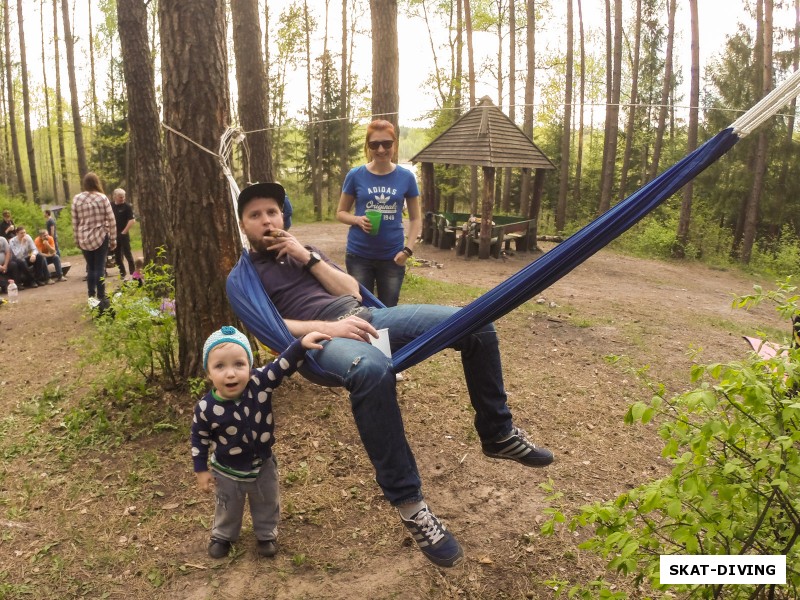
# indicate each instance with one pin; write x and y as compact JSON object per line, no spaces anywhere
{"x":387,"y":144}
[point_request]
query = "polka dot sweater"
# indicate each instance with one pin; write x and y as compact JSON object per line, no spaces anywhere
{"x":240,"y":433}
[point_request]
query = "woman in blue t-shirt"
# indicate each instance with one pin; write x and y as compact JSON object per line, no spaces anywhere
{"x":379,"y":260}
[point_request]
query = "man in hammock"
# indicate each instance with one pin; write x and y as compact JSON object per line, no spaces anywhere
{"x":313,"y":295}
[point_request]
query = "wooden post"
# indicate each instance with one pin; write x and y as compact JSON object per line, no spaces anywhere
{"x":535,"y":208}
{"x":428,"y":201}
{"x":484,"y":247}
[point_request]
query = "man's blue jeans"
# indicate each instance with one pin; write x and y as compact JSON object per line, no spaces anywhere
{"x":385,"y":275}
{"x":367,"y":374}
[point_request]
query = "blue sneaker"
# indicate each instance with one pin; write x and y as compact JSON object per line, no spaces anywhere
{"x":437,"y":544}
{"x":518,"y":447}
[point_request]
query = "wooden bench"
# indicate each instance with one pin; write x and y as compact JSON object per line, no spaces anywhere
{"x":502,"y":235}
{"x":445,"y":226}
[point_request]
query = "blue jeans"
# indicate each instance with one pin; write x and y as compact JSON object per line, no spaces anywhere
{"x":367,"y":374}
{"x":387,"y":275}
{"x":96,"y":270}
{"x":55,"y":260}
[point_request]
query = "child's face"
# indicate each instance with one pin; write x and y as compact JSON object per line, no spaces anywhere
{"x":229,"y":370}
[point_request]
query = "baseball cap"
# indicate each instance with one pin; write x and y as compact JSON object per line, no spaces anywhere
{"x":261,"y":190}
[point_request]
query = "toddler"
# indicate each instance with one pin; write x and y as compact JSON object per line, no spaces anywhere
{"x":137,"y":273}
{"x":234,"y":422}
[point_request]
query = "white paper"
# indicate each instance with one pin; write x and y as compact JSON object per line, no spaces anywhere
{"x":382,"y":342}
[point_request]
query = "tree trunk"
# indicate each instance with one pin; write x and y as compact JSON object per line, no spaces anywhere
{"x":473,"y":170}
{"x":527,"y":119}
{"x":458,"y":102}
{"x":313,"y":130}
{"x":512,"y":93}
{"x":12,"y":116}
{"x":205,"y":235}
{"x":790,"y":121}
{"x":69,"y":43}
{"x":576,"y":192}
{"x":48,"y":127}
{"x":8,"y":177}
{"x":26,"y":105}
{"x":563,"y":184}
{"x":691,"y":144}
{"x":752,"y":211}
{"x":665,"y":93}
{"x":253,"y":101}
{"x":385,"y":62}
{"x":92,"y":76}
{"x":612,"y":115}
{"x":344,"y":87}
{"x":154,"y":216}
{"x":631,"y":126}
{"x":59,"y":108}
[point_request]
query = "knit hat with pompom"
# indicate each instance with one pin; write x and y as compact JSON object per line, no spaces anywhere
{"x":226,"y":334}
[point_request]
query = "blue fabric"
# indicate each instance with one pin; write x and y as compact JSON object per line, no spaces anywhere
{"x":386,"y":194}
{"x":250,"y":302}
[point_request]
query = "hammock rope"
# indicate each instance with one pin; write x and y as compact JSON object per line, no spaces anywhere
{"x":251,"y":303}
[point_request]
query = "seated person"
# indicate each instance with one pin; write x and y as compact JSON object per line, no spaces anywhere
{"x":311,"y":294}
{"x":46,"y":246}
{"x":33,"y":271}
{"x":8,"y":268}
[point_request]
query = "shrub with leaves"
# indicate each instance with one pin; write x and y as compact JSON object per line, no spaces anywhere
{"x":140,"y":328}
{"x":734,"y":443}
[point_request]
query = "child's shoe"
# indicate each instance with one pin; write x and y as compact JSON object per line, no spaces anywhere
{"x":218,"y":548}
{"x":268,"y":548}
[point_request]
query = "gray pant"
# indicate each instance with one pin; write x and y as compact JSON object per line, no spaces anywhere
{"x":264,"y":504}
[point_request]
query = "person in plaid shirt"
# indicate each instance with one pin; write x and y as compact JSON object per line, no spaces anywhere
{"x":95,"y":232}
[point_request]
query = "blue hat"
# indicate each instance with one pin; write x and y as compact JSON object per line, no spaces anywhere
{"x":226,"y":335}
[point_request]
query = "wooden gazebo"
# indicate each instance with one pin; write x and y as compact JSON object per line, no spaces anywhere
{"x":484,"y":137}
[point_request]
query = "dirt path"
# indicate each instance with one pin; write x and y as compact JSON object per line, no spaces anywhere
{"x":338,"y":538}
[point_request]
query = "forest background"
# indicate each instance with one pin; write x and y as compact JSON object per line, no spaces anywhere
{"x":608,"y":105}
{"x":600,"y":87}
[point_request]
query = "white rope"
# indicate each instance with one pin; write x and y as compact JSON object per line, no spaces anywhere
{"x":768,"y":106}
{"x":231,"y":137}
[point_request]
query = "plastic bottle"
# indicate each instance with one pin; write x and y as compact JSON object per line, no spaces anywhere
{"x":13,"y":292}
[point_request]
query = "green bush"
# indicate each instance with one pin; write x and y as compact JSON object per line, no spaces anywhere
{"x":140,"y":328}
{"x":734,"y":445}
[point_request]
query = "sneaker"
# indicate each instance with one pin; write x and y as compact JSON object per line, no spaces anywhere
{"x":437,"y":544}
{"x":518,"y":447}
{"x":218,"y":548}
{"x":268,"y":548}
{"x":33,"y":285}
{"x":62,"y":278}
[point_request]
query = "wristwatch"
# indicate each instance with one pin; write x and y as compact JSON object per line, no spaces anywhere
{"x":315,"y":258}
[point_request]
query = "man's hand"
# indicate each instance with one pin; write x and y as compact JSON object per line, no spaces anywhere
{"x":284,"y":243}
{"x":353,"y":327}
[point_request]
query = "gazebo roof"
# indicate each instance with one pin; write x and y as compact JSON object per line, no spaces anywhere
{"x":486,"y":137}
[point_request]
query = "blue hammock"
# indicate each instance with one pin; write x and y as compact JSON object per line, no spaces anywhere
{"x":252,"y":305}
{"x":254,"y":308}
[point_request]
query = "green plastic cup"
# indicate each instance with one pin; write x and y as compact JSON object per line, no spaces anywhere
{"x":375,"y":217}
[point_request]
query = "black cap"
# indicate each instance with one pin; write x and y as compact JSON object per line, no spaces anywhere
{"x":261,"y":190}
